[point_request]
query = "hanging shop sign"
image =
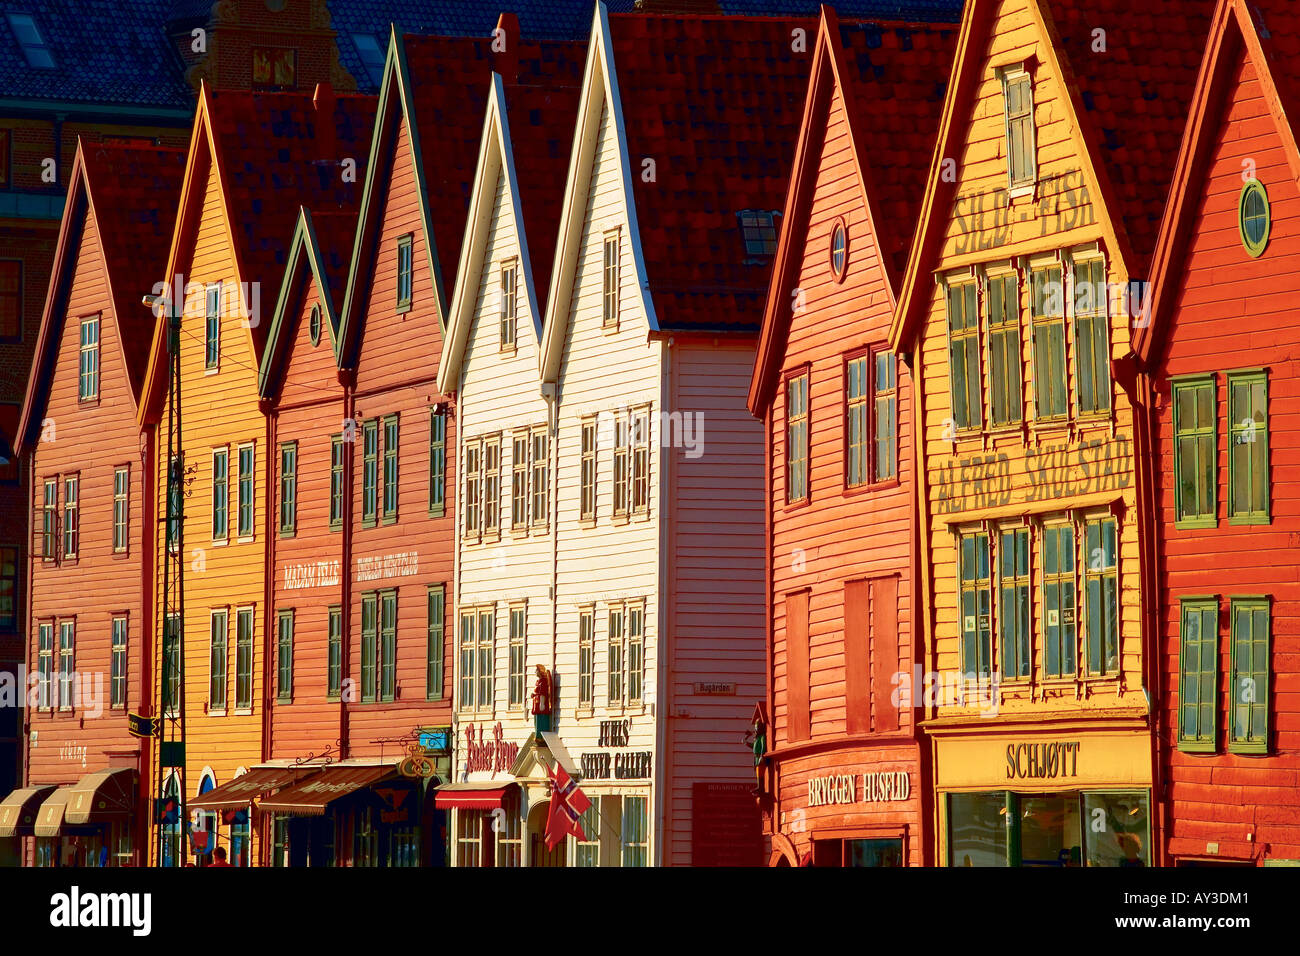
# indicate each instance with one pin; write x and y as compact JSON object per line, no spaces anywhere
{"x":871,"y":787}
{"x":138,"y":726}
{"x":488,"y":756}
{"x":1048,"y":759}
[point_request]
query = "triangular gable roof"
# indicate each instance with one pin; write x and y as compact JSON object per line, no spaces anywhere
{"x":1268,"y":33}
{"x":715,"y":102}
{"x":130,"y":191}
{"x":891,"y":80}
{"x":526,"y":131}
{"x":1128,"y":104}
{"x":439,"y":84}
{"x":273,"y":153}
{"x":318,"y":253}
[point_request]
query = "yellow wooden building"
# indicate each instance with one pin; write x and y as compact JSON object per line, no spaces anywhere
{"x":254,"y":158}
{"x":1015,"y":315}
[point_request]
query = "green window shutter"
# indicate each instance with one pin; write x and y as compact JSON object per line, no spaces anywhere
{"x":1249,"y":705}
{"x":1198,"y":674}
{"x":1196,"y":453}
{"x":1248,"y":464}
{"x":369,"y":607}
{"x":334,"y":665}
{"x":437,"y":598}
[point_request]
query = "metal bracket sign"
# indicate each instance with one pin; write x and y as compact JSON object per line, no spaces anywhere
{"x":138,"y":726}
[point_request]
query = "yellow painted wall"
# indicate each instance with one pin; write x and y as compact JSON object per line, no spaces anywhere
{"x":220,"y":409}
{"x":1031,"y":468}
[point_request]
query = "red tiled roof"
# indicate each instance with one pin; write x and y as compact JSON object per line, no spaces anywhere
{"x":895,"y":77}
{"x":449,"y":82}
{"x":542,"y":108}
{"x":335,"y":230}
{"x":276,"y":154}
{"x":716,"y":103}
{"x":134,"y":191}
{"x":1135,"y":95}
{"x":1277,"y":23}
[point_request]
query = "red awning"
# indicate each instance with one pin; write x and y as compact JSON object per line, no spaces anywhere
{"x":310,"y":797}
{"x":472,"y":796}
{"x":238,"y":793}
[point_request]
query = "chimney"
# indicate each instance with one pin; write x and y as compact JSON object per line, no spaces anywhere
{"x":505,"y":47}
{"x":323,"y":101}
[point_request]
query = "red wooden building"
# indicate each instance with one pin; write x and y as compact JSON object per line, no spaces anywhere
{"x":92,"y":517}
{"x":842,"y":776}
{"x":1217,"y":374}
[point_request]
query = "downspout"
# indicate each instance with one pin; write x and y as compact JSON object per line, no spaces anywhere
{"x":347,"y":379}
{"x":268,"y":577}
{"x":24,"y":725}
{"x":922,"y":589}
{"x":918,"y":634}
{"x":664,"y":645}
{"x":149,"y":544}
{"x":1150,"y":532}
{"x":769,"y":610}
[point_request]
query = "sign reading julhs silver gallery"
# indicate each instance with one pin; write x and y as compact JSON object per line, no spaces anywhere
{"x":879,"y":787}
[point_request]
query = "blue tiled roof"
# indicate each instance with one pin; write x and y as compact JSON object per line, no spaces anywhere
{"x":104,"y":51}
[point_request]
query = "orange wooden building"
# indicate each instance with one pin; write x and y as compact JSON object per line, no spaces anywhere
{"x":86,"y":776}
{"x":253,"y":158}
{"x":1216,"y":357}
{"x":842,"y":777}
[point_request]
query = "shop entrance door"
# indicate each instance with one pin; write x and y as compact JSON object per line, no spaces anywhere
{"x":538,"y":854}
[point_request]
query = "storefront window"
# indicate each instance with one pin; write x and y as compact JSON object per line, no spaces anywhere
{"x":365,"y":846}
{"x":509,"y":836}
{"x":588,"y":850}
{"x":1116,"y":827}
{"x":1049,"y":831}
{"x":635,"y":842}
{"x":173,"y":853}
{"x":469,"y":838}
{"x":239,"y":839}
{"x":404,"y":847}
{"x":280,"y":841}
{"x":873,"y":852}
{"x":45,"y":852}
{"x":1059,"y":829}
{"x":977,"y":829}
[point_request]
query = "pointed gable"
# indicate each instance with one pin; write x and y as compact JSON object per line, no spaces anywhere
{"x":131,"y":193}
{"x":1264,"y":37}
{"x":887,"y":82}
{"x":434,"y":90}
{"x":1121,"y":78}
{"x":269,"y":153}
{"x":527,"y":133}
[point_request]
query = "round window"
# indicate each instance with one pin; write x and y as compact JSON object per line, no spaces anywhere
{"x":315,"y":324}
{"x":839,"y":248}
{"x":1253,"y":217}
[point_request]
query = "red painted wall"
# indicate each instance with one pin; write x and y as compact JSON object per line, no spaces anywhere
{"x":1234,"y":312}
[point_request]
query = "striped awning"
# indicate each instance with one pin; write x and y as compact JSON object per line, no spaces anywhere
{"x":19,"y":809}
{"x":49,"y":820}
{"x":238,"y":793}
{"x":472,"y":796}
{"x":105,"y":795}
{"x":311,"y":797}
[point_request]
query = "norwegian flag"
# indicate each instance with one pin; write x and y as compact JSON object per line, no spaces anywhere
{"x":568,"y":804}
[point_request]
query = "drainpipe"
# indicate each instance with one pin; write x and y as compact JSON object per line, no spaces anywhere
{"x":663,"y":627}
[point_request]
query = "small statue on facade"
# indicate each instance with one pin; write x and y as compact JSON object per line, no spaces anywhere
{"x":542,"y":700}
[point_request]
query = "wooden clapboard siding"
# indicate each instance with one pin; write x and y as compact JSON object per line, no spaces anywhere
{"x":715,"y":561}
{"x":1228,"y":312}
{"x":604,"y":371}
{"x":220,"y":410}
{"x":395,"y":374}
{"x":820,"y":544}
{"x":309,"y":410}
{"x":844,"y":555}
{"x":966,"y":478}
{"x":90,"y":440}
{"x":499,"y":394}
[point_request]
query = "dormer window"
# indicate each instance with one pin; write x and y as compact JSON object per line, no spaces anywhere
{"x":758,"y":226}
{"x":372,"y":56}
{"x":30,"y":40}
{"x":1017,"y":91}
